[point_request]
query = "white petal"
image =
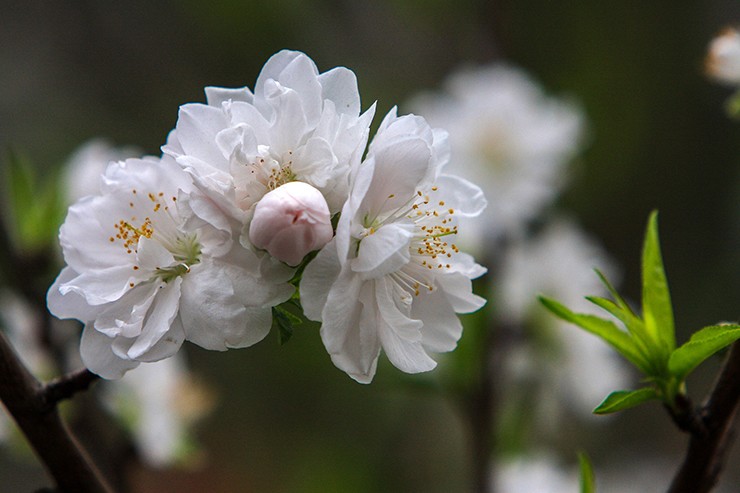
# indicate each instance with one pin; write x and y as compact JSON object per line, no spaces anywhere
{"x":197,"y":126}
{"x":216,"y":96}
{"x":69,"y":305}
{"x":464,"y":197}
{"x":399,"y":168}
{"x":317,"y":280}
{"x":159,"y":319}
{"x":212,"y":314}
{"x":168,"y":345}
{"x":442,"y":328}
{"x":340,"y":86}
{"x":384,"y":251}
{"x":101,"y":286}
{"x":96,"y":353}
{"x":459,"y":292}
{"x":348,"y":331}
{"x":152,"y":255}
{"x":126,"y":317}
{"x":399,"y":335}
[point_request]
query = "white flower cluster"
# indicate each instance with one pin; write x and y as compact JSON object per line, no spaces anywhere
{"x":201,"y":243}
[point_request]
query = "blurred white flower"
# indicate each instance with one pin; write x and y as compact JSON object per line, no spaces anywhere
{"x":150,"y":263}
{"x":84,"y":168}
{"x":158,"y":402}
{"x":508,"y":138}
{"x":21,"y":325}
{"x":393,"y":278}
{"x":23,"y":329}
{"x":723,"y":58}
{"x":291,"y":221}
{"x":559,"y":263}
{"x":298,"y":125}
{"x":535,"y":474}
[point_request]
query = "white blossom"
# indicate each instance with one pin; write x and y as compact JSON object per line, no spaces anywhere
{"x":85,"y":167}
{"x":536,"y":474}
{"x":151,"y":263}
{"x":393,"y":276}
{"x":291,"y":221}
{"x":559,"y":263}
{"x":297,"y":125}
{"x":723,"y":59}
{"x":158,"y":403}
{"x":508,"y":137}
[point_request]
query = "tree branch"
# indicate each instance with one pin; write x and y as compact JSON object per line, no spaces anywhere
{"x":711,"y":431}
{"x":33,"y":406}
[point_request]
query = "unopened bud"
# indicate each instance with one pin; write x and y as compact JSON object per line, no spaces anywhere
{"x":723,"y":59}
{"x":291,"y":221}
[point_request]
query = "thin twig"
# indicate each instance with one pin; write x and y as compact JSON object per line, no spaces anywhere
{"x":33,"y":407}
{"x":66,"y":386}
{"x":711,"y":432}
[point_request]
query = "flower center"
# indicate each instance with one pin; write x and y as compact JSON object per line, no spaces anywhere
{"x":430,"y":251}
{"x":262,"y":174}
{"x":162,"y":226}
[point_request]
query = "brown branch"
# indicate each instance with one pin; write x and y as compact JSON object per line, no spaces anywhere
{"x":711,"y":431}
{"x":33,"y":406}
{"x":66,"y":386}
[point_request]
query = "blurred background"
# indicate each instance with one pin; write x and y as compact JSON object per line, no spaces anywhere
{"x":283,"y":418}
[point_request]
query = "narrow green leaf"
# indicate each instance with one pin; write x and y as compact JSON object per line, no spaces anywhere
{"x":657,"y":312}
{"x":630,"y":320}
{"x":587,"y":478}
{"x":618,"y":339}
{"x":701,"y":346}
{"x":625,"y":399}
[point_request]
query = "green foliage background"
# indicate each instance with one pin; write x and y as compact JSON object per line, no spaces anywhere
{"x":287,"y":419}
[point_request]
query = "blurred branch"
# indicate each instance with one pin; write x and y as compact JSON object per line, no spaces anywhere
{"x":33,"y":406}
{"x":710,"y":427}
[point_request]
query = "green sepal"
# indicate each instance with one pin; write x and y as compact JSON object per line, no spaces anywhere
{"x":626,"y":399}
{"x":657,"y":312}
{"x":285,"y":322}
{"x":703,"y":344}
{"x":604,"y":329}
{"x":587,"y":479}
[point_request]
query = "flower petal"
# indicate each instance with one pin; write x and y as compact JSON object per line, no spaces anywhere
{"x":159,"y":320}
{"x":96,"y":353}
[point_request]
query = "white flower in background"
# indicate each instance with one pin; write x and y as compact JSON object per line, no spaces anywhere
{"x":723,"y":59}
{"x":393,"y":277}
{"x":291,"y":221}
{"x":559,"y":262}
{"x":507,"y":137}
{"x":536,"y":474}
{"x":22,"y":327}
{"x":158,"y":402}
{"x":150,"y":263}
{"x":21,"y":324}
{"x":85,"y":167}
{"x":298,"y":125}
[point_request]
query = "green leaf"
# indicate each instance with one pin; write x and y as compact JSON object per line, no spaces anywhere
{"x":630,"y":320}
{"x":657,"y":312}
{"x":625,"y":399}
{"x":587,"y":478}
{"x":618,"y":339}
{"x":701,"y":346}
{"x":285,"y":322}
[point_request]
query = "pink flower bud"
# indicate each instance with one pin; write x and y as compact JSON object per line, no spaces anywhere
{"x":291,"y":221}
